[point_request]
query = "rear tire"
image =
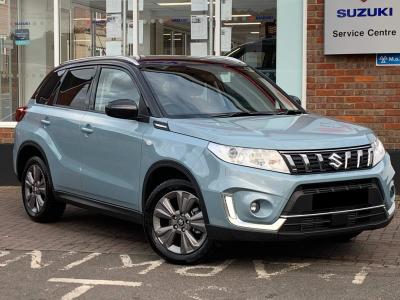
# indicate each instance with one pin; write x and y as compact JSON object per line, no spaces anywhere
{"x":174,"y":223}
{"x":37,"y":193}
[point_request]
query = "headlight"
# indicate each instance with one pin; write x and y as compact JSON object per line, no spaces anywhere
{"x":379,"y":151}
{"x":255,"y":158}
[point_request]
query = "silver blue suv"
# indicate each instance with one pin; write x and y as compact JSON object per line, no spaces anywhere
{"x":197,"y":150}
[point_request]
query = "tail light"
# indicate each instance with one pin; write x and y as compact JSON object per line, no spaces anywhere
{"x":20,"y":113}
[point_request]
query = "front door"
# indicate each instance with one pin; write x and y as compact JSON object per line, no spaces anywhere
{"x":112,"y":147}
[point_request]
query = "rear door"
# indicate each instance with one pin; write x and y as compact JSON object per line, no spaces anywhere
{"x":111,"y":148}
{"x":62,"y":123}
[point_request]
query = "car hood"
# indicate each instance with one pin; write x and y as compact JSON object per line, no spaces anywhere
{"x":279,"y":132}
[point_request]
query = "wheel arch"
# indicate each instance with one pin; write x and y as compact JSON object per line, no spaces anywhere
{"x":169,"y":165}
{"x":26,"y":151}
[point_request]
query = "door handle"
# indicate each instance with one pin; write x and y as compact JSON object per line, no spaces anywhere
{"x":45,"y":122}
{"x":87,"y":129}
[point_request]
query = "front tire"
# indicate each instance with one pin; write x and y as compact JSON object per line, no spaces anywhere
{"x":175,"y":224}
{"x":37,"y":193}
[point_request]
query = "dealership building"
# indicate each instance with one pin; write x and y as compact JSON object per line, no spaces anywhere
{"x":340,"y":57}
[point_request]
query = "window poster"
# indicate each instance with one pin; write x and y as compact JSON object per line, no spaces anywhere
{"x":113,"y":48}
{"x":226,"y":10}
{"x":130,"y":32}
{"x":226,"y":39}
{"x":199,"y":5}
{"x":199,"y":26}
{"x":113,"y":6}
{"x":199,"y":49}
{"x":114,"y":26}
{"x":141,"y":5}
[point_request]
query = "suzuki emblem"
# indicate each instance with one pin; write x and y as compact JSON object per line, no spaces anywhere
{"x":336,"y":161}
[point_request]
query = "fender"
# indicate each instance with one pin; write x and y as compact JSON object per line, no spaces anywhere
{"x":185,"y":171}
{"x":35,"y":145}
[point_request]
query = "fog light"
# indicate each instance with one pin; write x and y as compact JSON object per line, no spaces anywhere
{"x":392,"y":191}
{"x":255,"y":207}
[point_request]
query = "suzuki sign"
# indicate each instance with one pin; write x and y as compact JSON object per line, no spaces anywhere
{"x":362,"y":26}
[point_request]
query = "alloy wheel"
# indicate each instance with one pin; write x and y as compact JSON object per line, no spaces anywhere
{"x":178,"y":222}
{"x":35,"y":189}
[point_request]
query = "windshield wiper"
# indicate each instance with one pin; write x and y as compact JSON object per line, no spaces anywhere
{"x":242,"y":114}
{"x":289,"y":112}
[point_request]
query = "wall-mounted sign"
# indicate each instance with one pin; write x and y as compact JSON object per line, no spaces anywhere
{"x":22,"y":37}
{"x":388,"y":59}
{"x":362,"y":26}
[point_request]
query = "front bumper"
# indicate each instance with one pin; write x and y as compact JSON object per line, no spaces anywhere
{"x":230,"y":194}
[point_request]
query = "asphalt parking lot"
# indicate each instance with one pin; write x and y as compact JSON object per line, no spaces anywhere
{"x":90,"y":256}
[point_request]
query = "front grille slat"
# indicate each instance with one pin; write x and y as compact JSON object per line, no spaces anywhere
{"x":325,"y":222}
{"x":304,"y":162}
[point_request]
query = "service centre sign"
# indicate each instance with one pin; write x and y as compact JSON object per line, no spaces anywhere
{"x":362,"y":26}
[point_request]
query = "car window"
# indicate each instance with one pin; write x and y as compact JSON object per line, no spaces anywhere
{"x":113,"y":85}
{"x":48,"y":90}
{"x":74,"y":91}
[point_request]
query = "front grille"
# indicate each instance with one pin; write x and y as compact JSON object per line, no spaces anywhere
{"x":307,"y":162}
{"x":307,"y":224}
{"x":334,"y":196}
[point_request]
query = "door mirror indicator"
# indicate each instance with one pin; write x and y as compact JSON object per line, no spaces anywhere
{"x":122,"y":109}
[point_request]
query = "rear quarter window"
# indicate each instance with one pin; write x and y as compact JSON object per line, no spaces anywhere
{"x":47,"y":91}
{"x":74,"y":91}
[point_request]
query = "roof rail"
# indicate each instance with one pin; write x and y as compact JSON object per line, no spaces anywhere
{"x":130,"y":59}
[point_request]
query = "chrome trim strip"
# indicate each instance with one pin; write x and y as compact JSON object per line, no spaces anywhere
{"x":234,"y":219}
{"x":291,"y":162}
{"x":360,"y":154}
{"x":370,"y":156}
{"x":304,"y":157}
{"x":392,"y":209}
{"x":347,"y":156}
{"x":332,"y":212}
{"x":320,"y":161}
{"x":325,"y":150}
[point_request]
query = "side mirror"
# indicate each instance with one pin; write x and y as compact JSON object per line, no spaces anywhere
{"x":296,"y":99}
{"x":122,"y":109}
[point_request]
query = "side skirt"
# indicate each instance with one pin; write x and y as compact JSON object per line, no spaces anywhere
{"x":101,"y":207}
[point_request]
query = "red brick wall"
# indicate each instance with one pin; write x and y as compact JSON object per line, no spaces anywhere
{"x":6,"y":135}
{"x":351,"y":87}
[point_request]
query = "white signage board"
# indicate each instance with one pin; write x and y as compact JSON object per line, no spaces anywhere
{"x":226,"y":10}
{"x":130,"y":4}
{"x":199,"y":5}
{"x":360,"y":27}
{"x":113,"y":6}
{"x":114,"y":26}
{"x":113,"y":48}
{"x":199,"y":26}
{"x":226,"y":39}
{"x":199,"y":49}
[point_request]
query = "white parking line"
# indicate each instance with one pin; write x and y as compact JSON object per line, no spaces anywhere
{"x":96,"y":282}
{"x":88,"y":284}
{"x":127,"y":263}
{"x":81,"y":261}
{"x":263,"y":274}
{"x":360,"y":277}
{"x":36,"y":260}
{"x":79,"y":291}
{"x":187,"y":271}
{"x":4,"y":253}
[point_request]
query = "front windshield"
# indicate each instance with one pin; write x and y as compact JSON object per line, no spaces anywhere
{"x":209,"y":90}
